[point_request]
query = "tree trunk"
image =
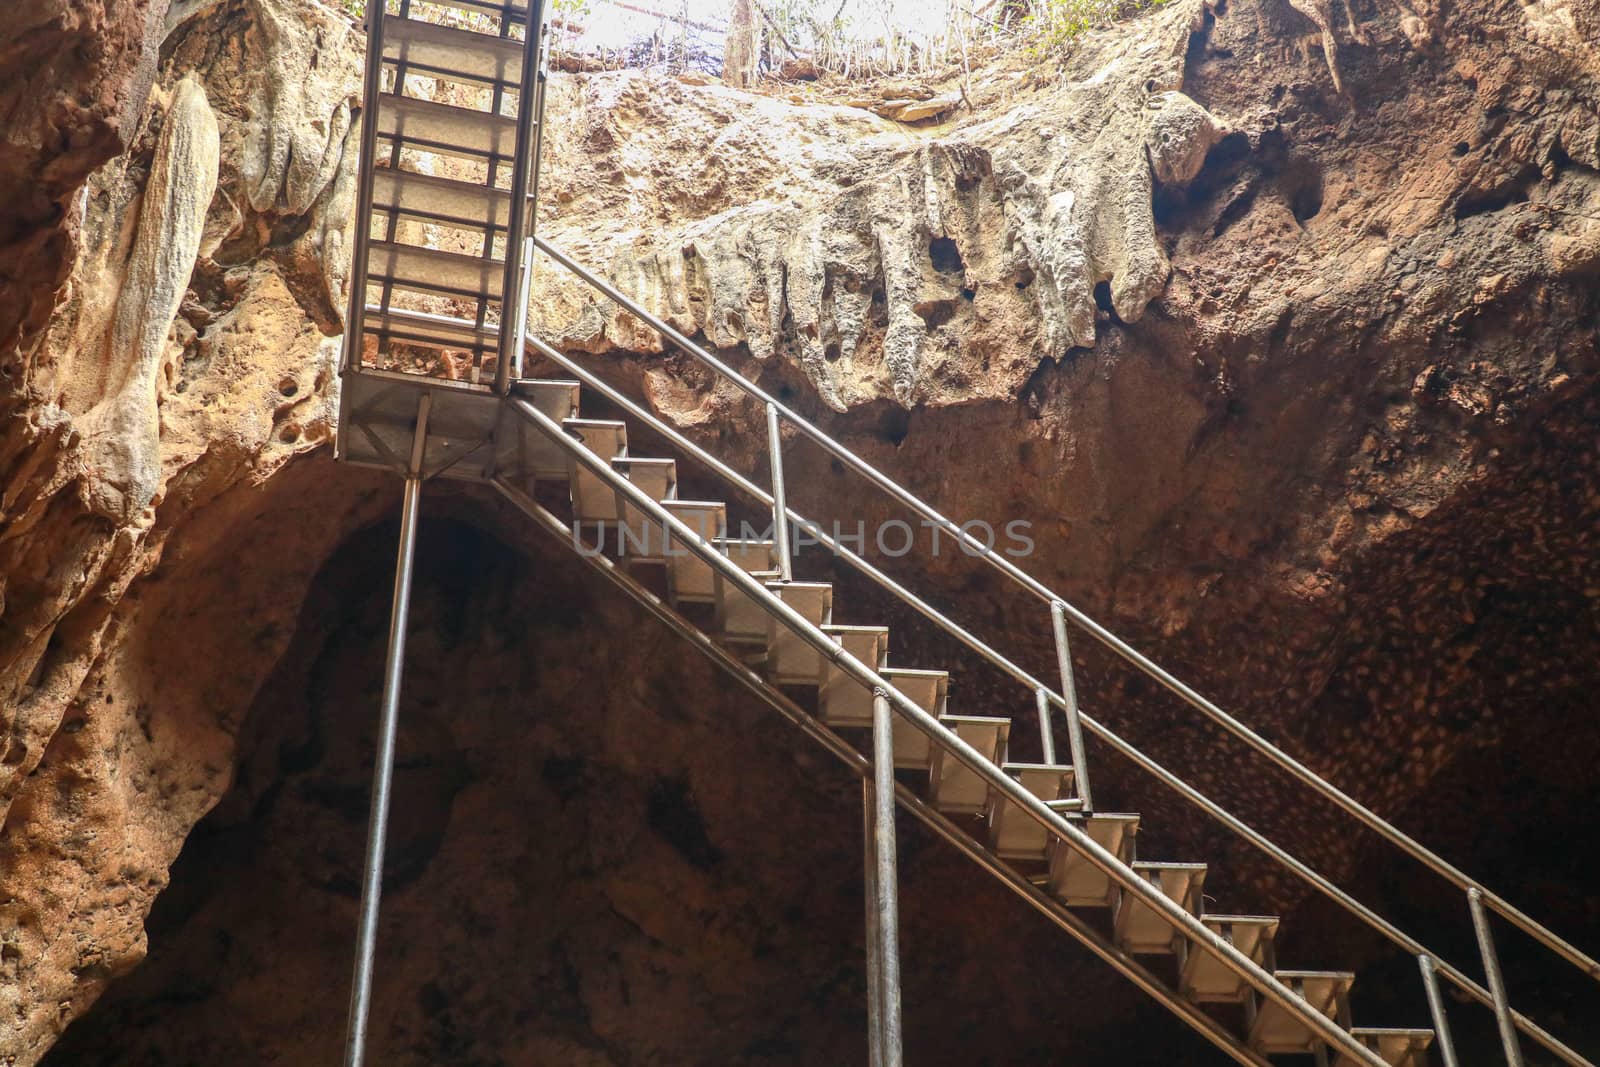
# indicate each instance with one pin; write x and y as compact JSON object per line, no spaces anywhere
{"x":741,"y":48}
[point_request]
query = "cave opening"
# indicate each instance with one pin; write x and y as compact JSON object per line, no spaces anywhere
{"x":599,"y":853}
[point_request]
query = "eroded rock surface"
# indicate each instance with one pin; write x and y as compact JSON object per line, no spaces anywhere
{"x":808,"y":223}
{"x":183,"y":367}
{"x":74,"y":77}
{"x":124,"y":430}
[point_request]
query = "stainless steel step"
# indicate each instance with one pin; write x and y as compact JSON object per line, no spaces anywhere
{"x":592,"y":499}
{"x":1398,"y":1048}
{"x":606,"y":438}
{"x":433,"y":127}
{"x":1142,"y":929}
{"x":790,"y":660}
{"x":930,"y":691}
{"x":1013,"y":833}
{"x":1206,"y":980}
{"x":750,"y":556}
{"x":843,"y":701}
{"x":689,"y":578}
{"x":434,"y":331}
{"x":742,"y":620}
{"x":464,"y":205}
{"x":453,"y":53}
{"x":640,"y":537}
{"x":953,"y":787}
{"x":431,"y":270}
{"x":524,"y":449}
{"x":1276,"y":1031}
{"x":1077,"y":882}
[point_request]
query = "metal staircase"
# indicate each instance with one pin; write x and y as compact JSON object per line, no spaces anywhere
{"x":464,"y":174}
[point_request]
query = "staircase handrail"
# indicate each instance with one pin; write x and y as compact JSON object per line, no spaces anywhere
{"x":1086,"y":933}
{"x":1366,"y":816}
{"x":1119,"y":744}
{"x":938,"y":733}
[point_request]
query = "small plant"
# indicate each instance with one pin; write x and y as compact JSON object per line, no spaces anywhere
{"x":566,"y":18}
{"x":1054,"y":24}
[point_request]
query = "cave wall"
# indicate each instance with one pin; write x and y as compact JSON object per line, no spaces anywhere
{"x":148,"y":425}
{"x":1280,"y":323}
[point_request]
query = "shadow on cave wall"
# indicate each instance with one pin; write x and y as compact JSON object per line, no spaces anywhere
{"x":600,"y":854}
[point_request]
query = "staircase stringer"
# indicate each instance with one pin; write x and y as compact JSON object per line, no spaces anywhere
{"x":753,"y":683}
{"x":1120,"y":872}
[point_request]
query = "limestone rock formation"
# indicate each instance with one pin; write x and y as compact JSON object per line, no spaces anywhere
{"x":930,"y":231}
{"x":183,"y":360}
{"x":124,"y":429}
{"x":76,"y":77}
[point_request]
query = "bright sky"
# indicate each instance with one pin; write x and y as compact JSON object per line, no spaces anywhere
{"x":610,"y":25}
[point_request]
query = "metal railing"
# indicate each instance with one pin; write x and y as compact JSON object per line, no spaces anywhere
{"x":1480,"y":898}
{"x":756,"y":685}
{"x":1185,"y":923}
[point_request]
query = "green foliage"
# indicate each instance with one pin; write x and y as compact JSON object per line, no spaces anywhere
{"x":1052,"y":25}
{"x":563,"y":16}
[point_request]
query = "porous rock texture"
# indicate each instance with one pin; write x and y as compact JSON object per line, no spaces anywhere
{"x":1277,"y":322}
{"x":806,"y":231}
{"x":183,"y":361}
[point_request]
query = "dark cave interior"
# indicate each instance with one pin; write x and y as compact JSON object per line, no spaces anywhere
{"x":602,"y":853}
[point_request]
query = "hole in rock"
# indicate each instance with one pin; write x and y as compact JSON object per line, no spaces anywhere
{"x":674,"y":814}
{"x":1301,"y":185}
{"x":1102,"y":299}
{"x":1233,"y":211}
{"x":894,"y":426}
{"x":946,"y":256}
{"x":1513,"y":189}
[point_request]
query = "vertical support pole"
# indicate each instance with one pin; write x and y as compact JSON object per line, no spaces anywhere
{"x":1069,"y":693}
{"x":538,"y":130}
{"x":780,"y":505}
{"x":886,"y":1027}
{"x":1496,"y":981}
{"x":514,"y":285}
{"x":1441,"y":1025}
{"x":355,"y":1041}
{"x":874,"y":976}
{"x":533,"y":200}
{"x":519,"y":342}
{"x":1047,"y":733}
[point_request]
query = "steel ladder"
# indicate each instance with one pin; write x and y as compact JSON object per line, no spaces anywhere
{"x":458,"y":172}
